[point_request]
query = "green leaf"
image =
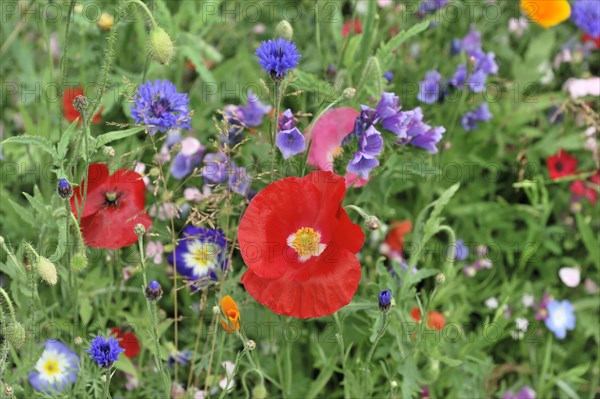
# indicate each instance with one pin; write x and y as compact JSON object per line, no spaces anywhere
{"x":116,"y":135}
{"x":85,"y":310}
{"x":589,"y":240}
{"x":385,"y":52}
{"x":25,"y":214}
{"x":124,"y":364}
{"x":431,"y":226}
{"x":422,"y":274}
{"x":194,"y":56}
{"x":36,"y":141}
{"x":63,"y":144}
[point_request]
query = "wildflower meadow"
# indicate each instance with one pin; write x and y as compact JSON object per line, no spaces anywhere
{"x":299,"y":199}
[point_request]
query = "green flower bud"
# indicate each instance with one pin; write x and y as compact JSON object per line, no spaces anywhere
{"x":259,"y":392}
{"x":285,"y":30}
{"x":160,"y":46}
{"x":79,"y":262}
{"x":15,"y":334}
{"x":47,"y":271}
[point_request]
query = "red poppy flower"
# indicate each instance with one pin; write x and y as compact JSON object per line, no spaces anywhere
{"x":69,"y":111}
{"x":596,"y":40}
{"x":561,"y":164}
{"x":435,"y":320}
{"x":352,"y":25}
{"x":587,"y":189}
{"x":299,"y":245}
{"x":127,"y":341}
{"x":395,"y":237}
{"x":114,"y":205}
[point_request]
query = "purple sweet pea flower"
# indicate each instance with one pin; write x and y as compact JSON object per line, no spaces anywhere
{"x":290,"y":142}
{"x":188,"y":158}
{"x":525,"y":393}
{"x":430,"y":87}
{"x":470,"y":119}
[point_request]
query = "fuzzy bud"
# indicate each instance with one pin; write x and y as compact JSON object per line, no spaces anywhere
{"x":139,"y":229}
{"x":160,"y":46}
{"x":284,"y":29}
{"x":8,"y":390}
{"x":440,"y":278}
{"x":47,"y":271}
{"x":79,"y":262}
{"x":259,"y":392}
{"x":394,"y":384}
{"x":103,"y":378}
{"x":78,"y":341}
{"x":251,"y":345}
{"x":372,"y":223}
{"x":106,"y":21}
{"x":349,"y":93}
{"x":15,"y":334}
{"x":216,"y":310}
{"x":80,"y":103}
{"x":108,"y":152}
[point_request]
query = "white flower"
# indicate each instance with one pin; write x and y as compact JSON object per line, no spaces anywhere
{"x":528,"y":300}
{"x":583,"y":87}
{"x":521,"y":323}
{"x":570,"y":276}
{"x":491,"y":303}
{"x":229,"y":367}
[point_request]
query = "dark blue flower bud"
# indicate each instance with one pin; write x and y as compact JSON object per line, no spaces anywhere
{"x":385,"y":300}
{"x":154,"y":291}
{"x":64,"y":189}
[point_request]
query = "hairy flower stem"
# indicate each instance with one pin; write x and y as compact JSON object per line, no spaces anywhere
{"x":275,"y":127}
{"x":151,"y":305}
{"x":198,"y":335}
{"x":340,"y":339}
{"x":108,"y":376}
{"x":64,"y":61}
{"x":449,"y":265}
{"x":384,"y":325}
{"x":146,"y":9}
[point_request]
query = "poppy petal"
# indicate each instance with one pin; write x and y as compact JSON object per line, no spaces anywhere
{"x":98,"y":178}
{"x":110,"y":228}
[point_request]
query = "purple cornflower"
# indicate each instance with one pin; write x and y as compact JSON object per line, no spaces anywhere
{"x":430,"y":87}
{"x":289,"y":140}
{"x":105,"y":351}
{"x":276,"y":57}
{"x":525,"y":393}
{"x":154,"y":290}
{"x":385,"y":300}
{"x":201,"y":254}
{"x":586,"y":15}
{"x":160,"y":107}
{"x":188,"y":158}
{"x":65,"y":190}
{"x":561,"y":317}
{"x":470,"y":119}
{"x":215,"y":168}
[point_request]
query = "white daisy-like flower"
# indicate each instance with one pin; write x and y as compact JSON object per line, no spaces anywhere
{"x":521,"y":323}
{"x":528,"y":300}
{"x":56,"y":369}
{"x":491,"y":303}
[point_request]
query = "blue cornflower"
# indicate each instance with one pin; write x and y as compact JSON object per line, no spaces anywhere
{"x":276,"y":57}
{"x":430,"y":87}
{"x":181,"y":357}
{"x":201,"y":254}
{"x":586,"y":15}
{"x":64,"y":189}
{"x":385,"y":299}
{"x":561,"y":317}
{"x":461,"y":251}
{"x":160,"y":107}
{"x":105,"y":351}
{"x":188,"y":158}
{"x":56,"y":369}
{"x":470,"y":119}
{"x":389,"y":75}
{"x":289,"y":140}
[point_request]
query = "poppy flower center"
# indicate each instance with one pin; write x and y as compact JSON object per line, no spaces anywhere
{"x":111,"y":198}
{"x":232,"y":314}
{"x":558,"y":166}
{"x":306,"y":242}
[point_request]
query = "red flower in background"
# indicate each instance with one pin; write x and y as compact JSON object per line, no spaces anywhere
{"x":434,"y":320}
{"x":587,"y":38}
{"x":299,"y":245}
{"x":127,"y":341}
{"x":561,"y":164}
{"x":69,"y":111}
{"x":352,"y":26}
{"x":395,"y":237}
{"x":114,"y":205}
{"x":587,"y":189}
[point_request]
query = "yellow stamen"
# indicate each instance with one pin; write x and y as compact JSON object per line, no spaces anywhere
{"x":51,"y":366}
{"x":306,"y":242}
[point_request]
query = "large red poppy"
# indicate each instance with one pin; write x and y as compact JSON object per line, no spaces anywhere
{"x":114,"y":205}
{"x":127,"y":341}
{"x":561,"y":164}
{"x":69,"y":111}
{"x":299,"y":245}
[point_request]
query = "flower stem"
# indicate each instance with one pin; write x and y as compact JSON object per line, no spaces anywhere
{"x":107,"y":384}
{"x":151,"y":305}
{"x":448,"y":266}
{"x":384,"y":325}
{"x":64,"y":59}
{"x":146,"y":9}
{"x":275,"y":126}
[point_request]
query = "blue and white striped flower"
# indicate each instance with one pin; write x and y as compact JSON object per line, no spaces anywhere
{"x":56,"y":369}
{"x":201,"y":254}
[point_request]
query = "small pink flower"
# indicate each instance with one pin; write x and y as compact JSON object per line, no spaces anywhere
{"x":154,"y":250}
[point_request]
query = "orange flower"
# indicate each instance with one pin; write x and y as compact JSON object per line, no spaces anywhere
{"x":546,"y":13}
{"x":434,"y":319}
{"x":230,"y":310}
